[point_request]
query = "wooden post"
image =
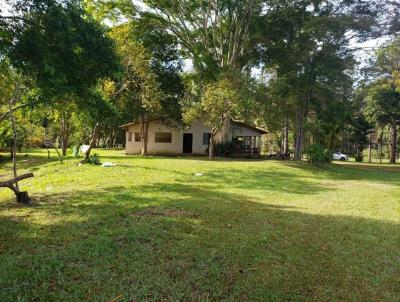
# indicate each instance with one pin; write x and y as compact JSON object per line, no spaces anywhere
{"x":369,"y":148}
{"x":393,"y":142}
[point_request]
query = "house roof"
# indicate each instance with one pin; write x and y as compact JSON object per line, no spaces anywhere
{"x":137,"y":122}
{"x":254,"y":128}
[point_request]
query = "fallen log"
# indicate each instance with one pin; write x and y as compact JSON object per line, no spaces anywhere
{"x":23,"y":196}
{"x":10,"y":182}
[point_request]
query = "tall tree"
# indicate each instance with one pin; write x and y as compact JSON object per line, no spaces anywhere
{"x":383,"y":108}
{"x":62,"y":49}
{"x":164,"y":56}
{"x":138,"y":89}
{"x":58,"y":46}
{"x":382,"y":94}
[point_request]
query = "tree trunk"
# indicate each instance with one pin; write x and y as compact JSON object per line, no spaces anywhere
{"x":300,"y":118}
{"x":109,"y":139}
{"x":114,"y":142}
{"x":393,"y":143}
{"x":92,"y":141}
{"x":298,"y":144}
{"x":285,"y":142}
{"x":20,"y":196}
{"x":342,"y":140}
{"x":98,"y":139}
{"x":14,"y":128}
{"x":144,"y":125}
{"x":211,"y":146}
{"x":64,"y":134}
{"x":381,"y":147}
{"x":106,"y":143}
{"x":113,"y":134}
{"x":59,"y":155}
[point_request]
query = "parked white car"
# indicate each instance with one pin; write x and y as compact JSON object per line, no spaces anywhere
{"x":339,"y":156}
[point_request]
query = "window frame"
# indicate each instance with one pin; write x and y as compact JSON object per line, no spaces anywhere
{"x":137,"y":137}
{"x":208,"y":138}
{"x":162,"y":142}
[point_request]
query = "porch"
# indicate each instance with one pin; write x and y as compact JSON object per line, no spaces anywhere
{"x":246,"y":145}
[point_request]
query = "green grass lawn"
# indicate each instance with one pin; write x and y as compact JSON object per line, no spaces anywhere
{"x":149,"y":229}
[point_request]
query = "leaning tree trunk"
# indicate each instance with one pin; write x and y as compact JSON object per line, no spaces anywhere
{"x":14,"y":128}
{"x":144,"y":125}
{"x":92,"y":141}
{"x":20,"y":196}
{"x":393,"y":143}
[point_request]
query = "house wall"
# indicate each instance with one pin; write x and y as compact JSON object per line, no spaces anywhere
{"x":176,"y":146}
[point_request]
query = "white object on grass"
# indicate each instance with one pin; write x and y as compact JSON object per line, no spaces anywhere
{"x":84,"y":148}
{"x":107,"y":164}
{"x":198,"y":174}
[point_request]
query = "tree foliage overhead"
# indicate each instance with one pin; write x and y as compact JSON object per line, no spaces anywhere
{"x":58,"y":45}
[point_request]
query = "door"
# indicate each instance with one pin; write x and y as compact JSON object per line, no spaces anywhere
{"x":187,"y":142}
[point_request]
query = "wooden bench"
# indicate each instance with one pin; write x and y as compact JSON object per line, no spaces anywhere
{"x":22,"y":196}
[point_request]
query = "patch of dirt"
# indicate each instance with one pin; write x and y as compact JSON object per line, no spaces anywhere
{"x":172,"y":212}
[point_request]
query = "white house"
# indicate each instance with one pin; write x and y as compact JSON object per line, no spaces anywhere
{"x":167,"y":139}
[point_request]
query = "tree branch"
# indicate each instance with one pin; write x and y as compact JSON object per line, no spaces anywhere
{"x":5,"y":114}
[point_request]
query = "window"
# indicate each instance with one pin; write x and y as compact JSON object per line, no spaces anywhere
{"x":129,"y":136}
{"x":206,"y":138}
{"x":138,"y":137}
{"x":163,"y":137}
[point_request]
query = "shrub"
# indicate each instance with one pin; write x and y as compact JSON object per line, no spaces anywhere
{"x":223,"y":149}
{"x":94,"y":159}
{"x":75,"y":151}
{"x":316,"y":154}
{"x":359,"y":157}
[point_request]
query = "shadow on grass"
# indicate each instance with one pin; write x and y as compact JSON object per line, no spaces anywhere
{"x":187,"y":242}
{"x":352,"y":171}
{"x":32,"y":161}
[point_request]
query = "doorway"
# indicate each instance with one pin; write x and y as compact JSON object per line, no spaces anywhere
{"x":187,"y":142}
